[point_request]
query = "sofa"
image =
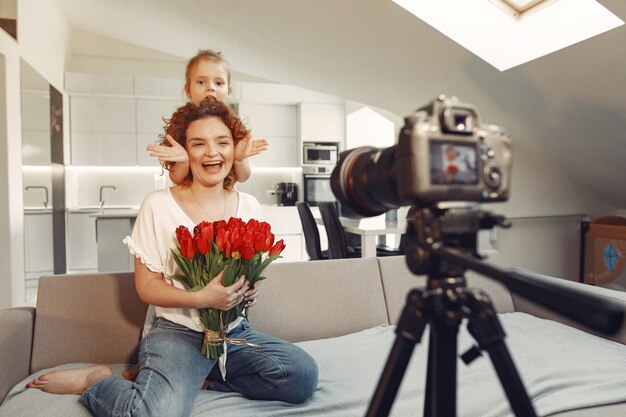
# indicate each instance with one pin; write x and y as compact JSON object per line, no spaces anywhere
{"x":342,"y":312}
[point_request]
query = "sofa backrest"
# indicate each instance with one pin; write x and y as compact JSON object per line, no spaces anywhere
{"x":398,"y":280}
{"x":320,"y":299}
{"x":94,"y":318}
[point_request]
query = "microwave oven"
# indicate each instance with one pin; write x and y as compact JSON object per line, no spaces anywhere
{"x":319,"y":153}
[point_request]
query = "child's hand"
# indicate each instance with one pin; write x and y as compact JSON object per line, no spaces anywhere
{"x":247,"y":148}
{"x":174,"y":153}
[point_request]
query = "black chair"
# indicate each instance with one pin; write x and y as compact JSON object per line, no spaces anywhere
{"x":311,"y":233}
{"x":337,"y":242}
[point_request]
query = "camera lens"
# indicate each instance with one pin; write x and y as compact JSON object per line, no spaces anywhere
{"x":364,"y":181}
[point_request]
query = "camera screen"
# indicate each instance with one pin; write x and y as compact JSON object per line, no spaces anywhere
{"x":452,"y":163}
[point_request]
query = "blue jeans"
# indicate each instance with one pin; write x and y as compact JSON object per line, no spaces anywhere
{"x":172,"y":371}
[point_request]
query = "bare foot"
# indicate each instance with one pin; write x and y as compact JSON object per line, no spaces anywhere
{"x":70,"y":381}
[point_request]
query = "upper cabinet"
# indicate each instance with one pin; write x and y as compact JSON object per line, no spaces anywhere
{"x":114,"y":118}
{"x":321,"y":122}
{"x":278,"y":124}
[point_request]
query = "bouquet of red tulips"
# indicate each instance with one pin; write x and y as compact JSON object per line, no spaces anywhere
{"x":235,"y":247}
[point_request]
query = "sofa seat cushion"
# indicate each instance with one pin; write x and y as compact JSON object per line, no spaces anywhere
{"x":563,"y":369}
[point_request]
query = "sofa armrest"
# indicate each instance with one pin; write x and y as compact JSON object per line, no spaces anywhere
{"x":16,"y":341}
{"x":524,"y":305}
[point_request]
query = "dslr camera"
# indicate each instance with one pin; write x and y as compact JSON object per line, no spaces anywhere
{"x":443,"y":154}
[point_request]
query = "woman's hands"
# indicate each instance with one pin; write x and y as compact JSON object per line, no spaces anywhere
{"x":215,"y":295}
{"x":251,"y":294}
{"x":247,"y":147}
{"x":173,"y":153}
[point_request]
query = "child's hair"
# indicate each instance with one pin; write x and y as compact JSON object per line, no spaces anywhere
{"x":207,"y":54}
{"x":177,"y":126}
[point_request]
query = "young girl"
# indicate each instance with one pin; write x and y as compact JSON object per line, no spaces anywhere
{"x":172,"y":368}
{"x":207,"y":76}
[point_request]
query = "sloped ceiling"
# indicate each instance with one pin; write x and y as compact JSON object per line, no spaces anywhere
{"x":568,"y":108}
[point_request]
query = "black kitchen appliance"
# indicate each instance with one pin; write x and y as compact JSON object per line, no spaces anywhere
{"x":286,"y":193}
{"x":316,"y":182}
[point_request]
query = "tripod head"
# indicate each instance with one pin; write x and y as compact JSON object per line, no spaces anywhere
{"x":442,"y":243}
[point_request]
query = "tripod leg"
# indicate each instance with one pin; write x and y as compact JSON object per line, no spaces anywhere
{"x":441,"y":383}
{"x":487,"y":330}
{"x":409,"y":332}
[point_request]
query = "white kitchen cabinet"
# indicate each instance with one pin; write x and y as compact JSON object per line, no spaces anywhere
{"x":279,"y":125}
{"x":322,"y":122}
{"x":38,"y":246}
{"x":98,"y":84}
{"x":104,"y":148}
{"x":82,"y":254}
{"x":113,"y":254}
{"x":36,"y":128}
{"x":150,"y":114}
{"x":102,"y":114}
{"x":286,"y":225}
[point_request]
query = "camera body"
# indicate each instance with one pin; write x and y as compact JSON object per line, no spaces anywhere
{"x":443,"y":154}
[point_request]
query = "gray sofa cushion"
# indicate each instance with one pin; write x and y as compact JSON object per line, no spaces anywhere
{"x":398,"y":280}
{"x":337,"y":297}
{"x":563,"y":369}
{"x":87,"y":318}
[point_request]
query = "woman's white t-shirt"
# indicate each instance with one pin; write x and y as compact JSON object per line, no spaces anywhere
{"x":154,"y":236}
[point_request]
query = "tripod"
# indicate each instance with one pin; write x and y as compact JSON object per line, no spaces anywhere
{"x":443,"y":245}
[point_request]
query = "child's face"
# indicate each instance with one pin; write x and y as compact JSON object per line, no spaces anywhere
{"x":208,"y":78}
{"x":211,"y":150}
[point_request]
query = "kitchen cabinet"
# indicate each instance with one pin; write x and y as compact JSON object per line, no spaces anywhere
{"x":82,"y":255}
{"x":150,"y":114}
{"x":112,"y":226}
{"x":38,"y":246}
{"x":321,"y":122}
{"x":286,"y":225}
{"x":278,"y":123}
{"x":36,"y":128}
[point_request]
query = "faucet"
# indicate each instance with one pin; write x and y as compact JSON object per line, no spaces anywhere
{"x":45,"y":203}
{"x":102,"y":188}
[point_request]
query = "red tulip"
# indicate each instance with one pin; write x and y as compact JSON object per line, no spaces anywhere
{"x":235,"y":239}
{"x":247,"y":252}
{"x":252,"y":225}
{"x":186,"y":248}
{"x":220,"y":238}
{"x":181,"y":233}
{"x":259,"y":242}
{"x":202,"y":246}
{"x":205,"y":229}
{"x":277,"y":248}
{"x":269,"y":241}
{"x":227,"y":249}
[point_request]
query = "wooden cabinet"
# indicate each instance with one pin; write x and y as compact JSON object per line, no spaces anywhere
{"x":321,"y":122}
{"x":278,"y":123}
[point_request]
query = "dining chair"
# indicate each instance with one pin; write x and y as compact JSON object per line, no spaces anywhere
{"x":311,"y":232}
{"x":337,"y":242}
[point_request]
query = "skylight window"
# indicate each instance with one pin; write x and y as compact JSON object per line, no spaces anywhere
{"x":508,"y":33}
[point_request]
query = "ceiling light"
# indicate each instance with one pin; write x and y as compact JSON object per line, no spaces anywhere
{"x":528,"y":29}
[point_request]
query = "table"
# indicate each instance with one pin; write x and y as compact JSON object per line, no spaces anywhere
{"x":368,"y":228}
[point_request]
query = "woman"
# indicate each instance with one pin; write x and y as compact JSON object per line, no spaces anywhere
{"x":172,"y":369}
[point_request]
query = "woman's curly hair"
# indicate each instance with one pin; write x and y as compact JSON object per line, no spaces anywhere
{"x":177,"y":126}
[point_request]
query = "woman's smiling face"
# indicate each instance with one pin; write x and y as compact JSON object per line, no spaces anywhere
{"x":211,"y":150}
